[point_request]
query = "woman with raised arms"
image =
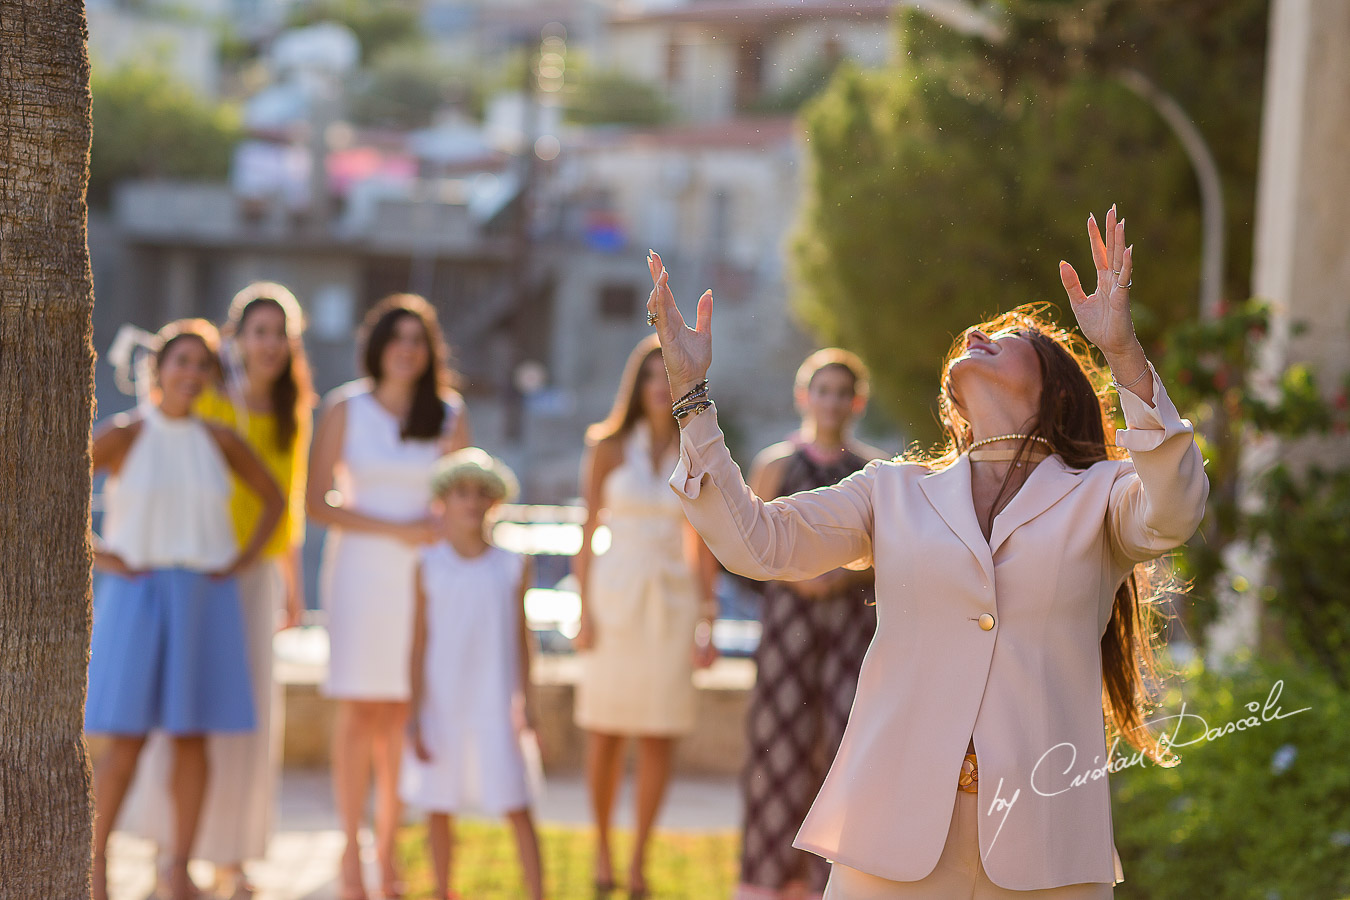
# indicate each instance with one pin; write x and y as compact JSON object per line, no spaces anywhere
{"x":1009,"y":613}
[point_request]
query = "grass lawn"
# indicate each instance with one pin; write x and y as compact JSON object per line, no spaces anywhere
{"x":693,"y":865}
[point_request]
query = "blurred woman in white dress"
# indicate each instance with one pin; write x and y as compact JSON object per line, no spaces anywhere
{"x":647,"y":605}
{"x":370,"y":474}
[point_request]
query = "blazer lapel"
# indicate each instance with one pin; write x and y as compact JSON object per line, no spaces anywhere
{"x":949,"y":492}
{"x":1045,"y":486}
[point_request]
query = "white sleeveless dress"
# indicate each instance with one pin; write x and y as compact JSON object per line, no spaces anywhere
{"x":472,"y":673}
{"x":643,"y":596}
{"x":366,"y":580}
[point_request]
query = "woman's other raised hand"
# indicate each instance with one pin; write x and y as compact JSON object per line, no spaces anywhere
{"x":687,"y":352}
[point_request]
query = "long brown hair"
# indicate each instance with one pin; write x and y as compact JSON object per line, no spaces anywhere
{"x":627,"y":409}
{"x":292,"y":393}
{"x":1075,"y":415}
{"x":426,"y":418}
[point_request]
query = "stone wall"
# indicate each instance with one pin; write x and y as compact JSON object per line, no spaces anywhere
{"x":715,"y":747}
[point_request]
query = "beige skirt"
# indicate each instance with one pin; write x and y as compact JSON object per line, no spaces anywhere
{"x":959,"y":873}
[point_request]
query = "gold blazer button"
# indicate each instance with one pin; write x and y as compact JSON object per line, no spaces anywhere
{"x":987,"y":622}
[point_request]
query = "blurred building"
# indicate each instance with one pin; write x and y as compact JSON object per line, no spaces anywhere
{"x":715,"y":200}
{"x":718,"y":58}
{"x":538,"y":272}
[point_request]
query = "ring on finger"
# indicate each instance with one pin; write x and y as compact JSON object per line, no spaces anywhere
{"x":651,"y":318}
{"x":1127,"y":284}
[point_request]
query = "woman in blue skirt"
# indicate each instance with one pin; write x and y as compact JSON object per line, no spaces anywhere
{"x":168,"y":648}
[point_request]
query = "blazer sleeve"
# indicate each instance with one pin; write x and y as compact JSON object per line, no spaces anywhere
{"x":789,"y":539}
{"x":1158,"y":497}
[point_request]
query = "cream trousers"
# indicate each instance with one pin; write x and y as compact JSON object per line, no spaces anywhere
{"x":959,"y":874}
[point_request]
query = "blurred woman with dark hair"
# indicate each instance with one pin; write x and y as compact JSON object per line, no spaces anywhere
{"x":647,"y":605}
{"x":814,"y":635}
{"x":1011,"y":621}
{"x":369,"y":484}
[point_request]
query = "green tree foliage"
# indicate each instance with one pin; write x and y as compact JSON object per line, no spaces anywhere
{"x":949,"y":186}
{"x":1209,"y":55}
{"x":1305,"y":524}
{"x":930,"y":206}
{"x":1302,"y":522}
{"x":404,"y":86}
{"x":147,"y":124}
{"x":594,"y":96}
{"x":1249,"y":814}
{"x":808,"y":81}
{"x":377,"y":24}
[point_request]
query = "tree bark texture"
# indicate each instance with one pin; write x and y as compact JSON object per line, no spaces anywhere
{"x":46,"y":407}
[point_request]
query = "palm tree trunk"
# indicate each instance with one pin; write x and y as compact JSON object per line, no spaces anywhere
{"x":46,"y":394}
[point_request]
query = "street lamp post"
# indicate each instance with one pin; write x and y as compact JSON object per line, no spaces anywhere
{"x":543,"y":73}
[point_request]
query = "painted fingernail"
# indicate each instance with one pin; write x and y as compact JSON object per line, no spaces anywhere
{"x":1063,"y":263}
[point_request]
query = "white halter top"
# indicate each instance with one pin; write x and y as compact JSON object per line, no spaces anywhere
{"x":169,"y":505}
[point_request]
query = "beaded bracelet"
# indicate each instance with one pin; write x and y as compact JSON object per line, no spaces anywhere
{"x":700,"y":388}
{"x":692,"y":403}
{"x":699,"y":393}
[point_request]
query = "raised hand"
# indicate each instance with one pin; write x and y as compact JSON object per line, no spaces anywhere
{"x":1104,"y":315}
{"x":687,"y":352}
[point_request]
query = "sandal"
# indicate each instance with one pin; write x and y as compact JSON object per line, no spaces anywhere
{"x":234,"y":885}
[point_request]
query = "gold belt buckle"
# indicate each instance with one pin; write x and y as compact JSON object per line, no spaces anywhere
{"x":969,"y":779}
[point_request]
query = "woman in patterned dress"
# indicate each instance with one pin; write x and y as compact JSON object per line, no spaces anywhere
{"x":814,"y":636}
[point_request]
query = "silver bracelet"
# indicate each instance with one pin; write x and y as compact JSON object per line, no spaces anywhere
{"x":692,"y":408}
{"x":1148,"y":367}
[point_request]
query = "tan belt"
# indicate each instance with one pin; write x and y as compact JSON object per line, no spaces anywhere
{"x":969,"y":779}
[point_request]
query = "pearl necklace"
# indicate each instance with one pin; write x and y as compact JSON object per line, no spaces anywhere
{"x":1009,"y":454}
{"x":1011,"y":437}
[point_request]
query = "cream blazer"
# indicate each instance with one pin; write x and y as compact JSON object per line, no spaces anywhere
{"x":997,"y":639}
